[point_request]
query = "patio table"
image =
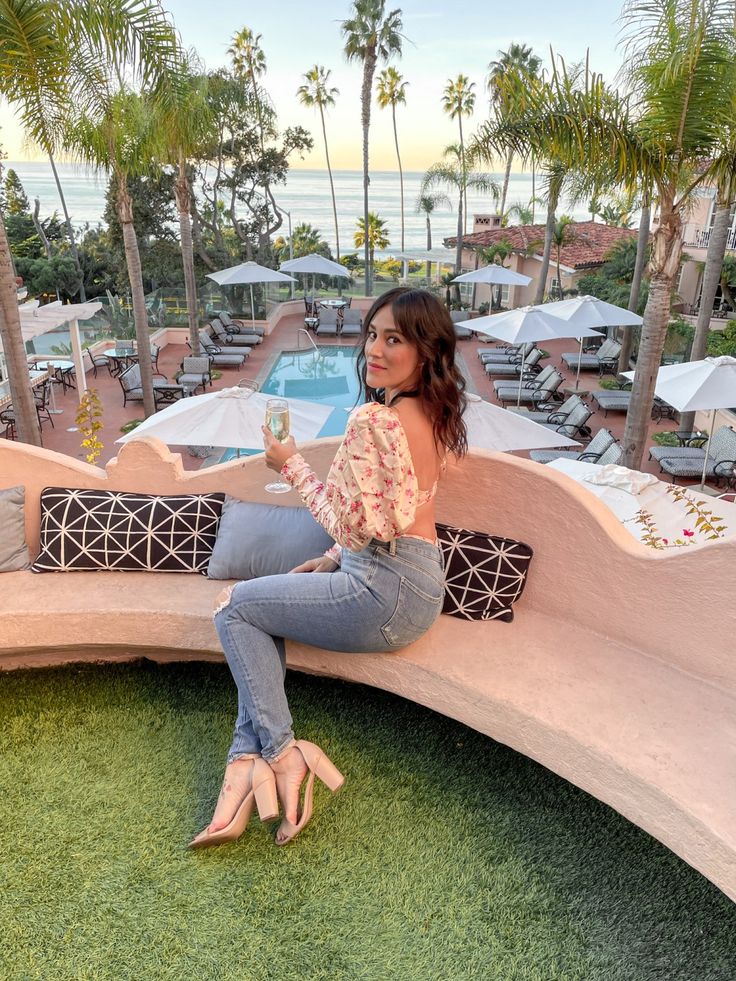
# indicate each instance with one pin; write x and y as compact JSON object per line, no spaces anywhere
{"x":335,"y":304}
{"x":61,"y":370}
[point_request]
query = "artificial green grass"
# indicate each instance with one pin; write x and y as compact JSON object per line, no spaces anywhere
{"x":446,"y":855}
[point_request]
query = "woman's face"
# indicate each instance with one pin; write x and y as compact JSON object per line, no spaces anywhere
{"x":392,"y":362}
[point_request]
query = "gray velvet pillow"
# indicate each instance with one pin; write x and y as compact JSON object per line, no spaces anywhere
{"x":13,"y":549}
{"x":256,"y":540}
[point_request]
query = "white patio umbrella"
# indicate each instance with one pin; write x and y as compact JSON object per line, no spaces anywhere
{"x":492,"y":428}
{"x":227,"y":417}
{"x":526,"y":324}
{"x":495,"y":275}
{"x":315,"y":264}
{"x":698,"y":385}
{"x":589,"y":311}
{"x":248,"y":273}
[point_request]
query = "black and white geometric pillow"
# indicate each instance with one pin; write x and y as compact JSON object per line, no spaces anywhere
{"x":116,"y":530}
{"x":484,"y":575}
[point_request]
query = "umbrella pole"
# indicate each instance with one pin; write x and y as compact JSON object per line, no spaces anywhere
{"x":521,"y":376}
{"x":580,"y":358}
{"x":707,"y":447}
{"x":252,"y":308}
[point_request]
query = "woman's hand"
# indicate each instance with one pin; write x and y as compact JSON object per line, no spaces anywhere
{"x":322,"y":564}
{"x":277,"y":453}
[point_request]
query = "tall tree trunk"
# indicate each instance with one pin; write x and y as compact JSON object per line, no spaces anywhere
{"x":262,"y":236}
{"x":459,"y":249}
{"x":369,"y":67}
{"x":548,"y":233}
{"x":428,"y":268}
{"x":642,"y":245}
{"x":69,"y":231}
{"x":183,"y":204}
{"x":19,"y":379}
{"x":534,"y":188}
{"x":711,"y":278}
{"x":665,"y":263}
{"x":40,"y":232}
{"x":332,"y":186}
{"x":506,"y":179}
{"x":133,"y":262}
{"x":401,"y":174}
{"x":465,"y":176}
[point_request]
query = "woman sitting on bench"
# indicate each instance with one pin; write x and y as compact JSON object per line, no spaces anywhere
{"x":377,"y":590}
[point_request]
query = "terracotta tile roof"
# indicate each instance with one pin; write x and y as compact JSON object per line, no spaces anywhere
{"x":589,"y":244}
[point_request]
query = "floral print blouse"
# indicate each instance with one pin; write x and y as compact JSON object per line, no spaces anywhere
{"x":371,"y":490}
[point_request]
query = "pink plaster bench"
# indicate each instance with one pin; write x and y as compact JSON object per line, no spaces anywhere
{"x":618,"y":672}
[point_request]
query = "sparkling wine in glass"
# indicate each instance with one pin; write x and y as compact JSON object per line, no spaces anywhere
{"x":277,"y":420}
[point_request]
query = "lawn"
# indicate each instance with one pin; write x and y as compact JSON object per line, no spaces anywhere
{"x":446,"y":855}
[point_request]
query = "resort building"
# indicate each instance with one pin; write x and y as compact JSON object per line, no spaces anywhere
{"x":696,"y":236}
{"x":589,"y":244}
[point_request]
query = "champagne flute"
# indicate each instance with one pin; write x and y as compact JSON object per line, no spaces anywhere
{"x":277,"y":420}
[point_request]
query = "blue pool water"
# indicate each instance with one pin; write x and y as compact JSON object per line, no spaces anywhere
{"x":327,"y":376}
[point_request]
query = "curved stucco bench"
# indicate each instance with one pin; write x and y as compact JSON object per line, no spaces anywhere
{"x":618,"y":673}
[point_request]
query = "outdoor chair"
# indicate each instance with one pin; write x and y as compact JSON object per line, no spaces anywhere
{"x":310,"y":306}
{"x":605,"y":359}
{"x":41,"y":396}
{"x":505,"y":355}
{"x":239,"y":327}
{"x":7,"y":419}
{"x":155,"y":351}
{"x":618,"y":399}
{"x":535,"y":396}
{"x":574,"y":426}
{"x":328,"y":323}
{"x":352,"y":323}
{"x":552,"y":414}
{"x":220,"y":358}
{"x":599,"y":444}
{"x":531,"y":382}
{"x":692,"y":451}
{"x":348,"y":302}
{"x":130,"y":382}
{"x":97,"y":361}
{"x":235,"y":333}
{"x":515,"y":368}
{"x":720,"y":463}
{"x":195,"y":372}
{"x":462,"y":333}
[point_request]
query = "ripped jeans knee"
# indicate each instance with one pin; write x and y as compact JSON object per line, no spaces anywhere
{"x":223,"y":599}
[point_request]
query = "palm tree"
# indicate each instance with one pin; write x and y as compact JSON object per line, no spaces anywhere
{"x":451,"y":175}
{"x":370,"y":35}
{"x":124,"y":141}
{"x":562,"y":235}
{"x":427,"y":203}
{"x":680,"y":68}
{"x":54,"y":57}
{"x":458,"y":100}
{"x":183,"y":129}
{"x":377,"y":237}
{"x":392,"y":92}
{"x":518,"y":57}
{"x":316,"y":91}
{"x":524,"y":212}
{"x":249,"y":62}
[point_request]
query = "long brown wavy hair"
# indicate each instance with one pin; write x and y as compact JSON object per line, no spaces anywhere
{"x":426,"y":324}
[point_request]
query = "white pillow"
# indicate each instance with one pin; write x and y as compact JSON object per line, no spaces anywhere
{"x":612,"y":475}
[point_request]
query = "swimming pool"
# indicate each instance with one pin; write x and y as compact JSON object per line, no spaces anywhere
{"x":326,"y":375}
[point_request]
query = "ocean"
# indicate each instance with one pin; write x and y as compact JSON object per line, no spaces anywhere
{"x":306,"y":196}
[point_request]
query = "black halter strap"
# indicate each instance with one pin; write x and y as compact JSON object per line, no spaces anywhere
{"x":413,"y":394}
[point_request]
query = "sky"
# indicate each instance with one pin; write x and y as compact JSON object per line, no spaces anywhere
{"x":440,"y":43}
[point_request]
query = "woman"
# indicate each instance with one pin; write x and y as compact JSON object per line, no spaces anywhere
{"x":385,"y":582}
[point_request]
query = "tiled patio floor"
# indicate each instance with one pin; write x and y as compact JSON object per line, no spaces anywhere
{"x":256,"y":367}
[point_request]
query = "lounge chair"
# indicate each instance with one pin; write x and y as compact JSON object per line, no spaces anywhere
{"x":531,"y":382}
{"x":328,"y":322}
{"x":721,"y":458}
{"x":601,"y":443}
{"x":605,"y":359}
{"x":618,"y":399}
{"x":218,"y":357}
{"x":212,"y":347}
{"x":534,"y":395}
{"x":238,"y":326}
{"x":552,"y":414}
{"x":352,"y":323}
{"x":195,"y":373}
{"x":514,"y":367}
{"x":227,"y":337}
{"x":574,"y":425}
{"x":505,"y":355}
{"x":130,"y":382}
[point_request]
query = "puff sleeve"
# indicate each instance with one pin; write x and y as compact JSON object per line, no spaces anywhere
{"x":371,"y":489}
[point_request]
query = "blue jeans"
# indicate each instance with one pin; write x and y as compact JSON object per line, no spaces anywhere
{"x":380,"y":599}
